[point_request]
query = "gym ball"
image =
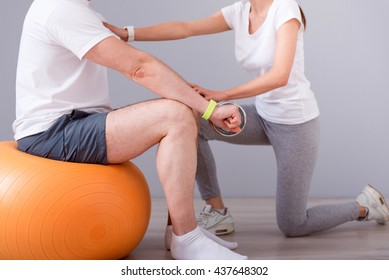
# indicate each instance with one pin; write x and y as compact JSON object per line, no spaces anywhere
{"x":57,"y":210}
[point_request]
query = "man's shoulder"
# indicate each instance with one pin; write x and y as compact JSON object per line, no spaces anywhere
{"x":44,"y":8}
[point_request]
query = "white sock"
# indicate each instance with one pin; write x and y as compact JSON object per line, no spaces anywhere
{"x":224,"y":243}
{"x":210,"y":235}
{"x":195,"y":245}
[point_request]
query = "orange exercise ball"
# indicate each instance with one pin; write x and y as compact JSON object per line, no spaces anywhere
{"x":59,"y":210}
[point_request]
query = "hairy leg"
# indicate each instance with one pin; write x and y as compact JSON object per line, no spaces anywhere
{"x":132,"y":130}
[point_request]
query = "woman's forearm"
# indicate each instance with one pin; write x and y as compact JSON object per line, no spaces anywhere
{"x":179,"y":30}
{"x":173,"y":30}
{"x":265,"y":83}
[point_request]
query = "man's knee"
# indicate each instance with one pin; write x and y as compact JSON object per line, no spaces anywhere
{"x":179,"y":114}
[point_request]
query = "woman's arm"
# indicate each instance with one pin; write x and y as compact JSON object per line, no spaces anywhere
{"x":276,"y":77}
{"x":176,"y":29}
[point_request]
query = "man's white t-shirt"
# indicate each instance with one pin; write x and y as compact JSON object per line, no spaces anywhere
{"x":294,"y":103}
{"x":52,"y":77}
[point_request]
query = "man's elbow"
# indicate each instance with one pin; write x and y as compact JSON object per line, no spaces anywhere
{"x":139,"y":69}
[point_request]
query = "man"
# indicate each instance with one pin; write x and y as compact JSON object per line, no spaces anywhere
{"x":63,"y":111}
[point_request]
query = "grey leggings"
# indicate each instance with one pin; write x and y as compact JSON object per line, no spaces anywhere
{"x":295,"y":148}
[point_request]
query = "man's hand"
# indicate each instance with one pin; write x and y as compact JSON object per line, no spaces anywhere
{"x":227,"y":117}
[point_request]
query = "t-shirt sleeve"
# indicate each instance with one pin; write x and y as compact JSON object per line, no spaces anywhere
{"x":229,"y":14}
{"x":76,"y":28}
{"x":287,"y":10}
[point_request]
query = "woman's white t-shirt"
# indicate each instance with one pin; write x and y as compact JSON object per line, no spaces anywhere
{"x":52,"y":77}
{"x":294,"y":103}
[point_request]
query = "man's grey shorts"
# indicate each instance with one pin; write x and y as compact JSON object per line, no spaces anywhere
{"x":77,"y":137}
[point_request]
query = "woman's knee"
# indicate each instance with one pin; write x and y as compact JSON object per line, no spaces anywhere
{"x":290,"y":227}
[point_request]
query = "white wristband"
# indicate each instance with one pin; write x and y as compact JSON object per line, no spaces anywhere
{"x":131,"y":33}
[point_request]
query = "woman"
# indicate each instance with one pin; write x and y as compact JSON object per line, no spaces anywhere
{"x":269,"y":44}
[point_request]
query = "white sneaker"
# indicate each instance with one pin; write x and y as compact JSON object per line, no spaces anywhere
{"x":216,"y":222}
{"x":374,"y":201}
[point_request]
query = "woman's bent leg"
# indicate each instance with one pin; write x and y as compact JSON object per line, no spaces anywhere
{"x":296,"y":148}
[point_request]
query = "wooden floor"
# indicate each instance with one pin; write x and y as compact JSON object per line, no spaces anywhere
{"x":259,"y":238}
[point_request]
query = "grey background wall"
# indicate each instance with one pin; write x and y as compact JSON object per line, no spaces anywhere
{"x":346,"y":46}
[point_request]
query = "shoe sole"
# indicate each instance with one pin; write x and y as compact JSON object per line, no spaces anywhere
{"x":222,"y":229}
{"x":382,"y":208}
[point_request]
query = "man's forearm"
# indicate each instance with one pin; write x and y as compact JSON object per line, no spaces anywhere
{"x":147,"y":71}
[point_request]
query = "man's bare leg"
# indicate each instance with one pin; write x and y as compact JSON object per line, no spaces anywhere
{"x":132,"y":130}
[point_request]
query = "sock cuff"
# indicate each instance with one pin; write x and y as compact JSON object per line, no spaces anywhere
{"x":189,"y":235}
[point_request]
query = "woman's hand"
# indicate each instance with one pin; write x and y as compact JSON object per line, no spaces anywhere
{"x":121,"y":32}
{"x":227,"y":117}
{"x":209,"y":94}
